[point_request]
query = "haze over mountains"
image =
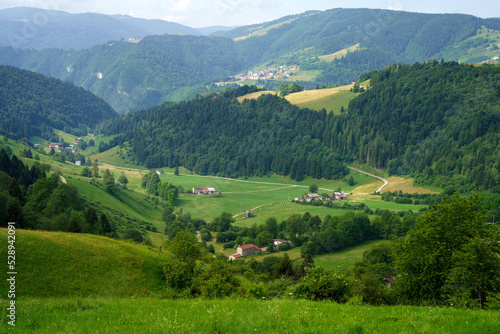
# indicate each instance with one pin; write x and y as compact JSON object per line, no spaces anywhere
{"x":330,"y":47}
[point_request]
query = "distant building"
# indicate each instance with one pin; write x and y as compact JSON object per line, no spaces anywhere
{"x":277,"y":242}
{"x":159,"y":172}
{"x":249,"y":213}
{"x":203,"y":190}
{"x":247,"y":250}
{"x":312,"y":197}
{"x":55,"y":145}
{"x":78,"y":163}
{"x":235,"y":256}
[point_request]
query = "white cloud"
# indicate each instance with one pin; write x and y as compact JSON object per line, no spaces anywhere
{"x":395,"y":6}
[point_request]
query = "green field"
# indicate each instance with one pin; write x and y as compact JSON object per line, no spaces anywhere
{"x":51,"y":264}
{"x":146,"y":315}
{"x":239,"y":195}
{"x":344,"y":258}
{"x":331,"y":103}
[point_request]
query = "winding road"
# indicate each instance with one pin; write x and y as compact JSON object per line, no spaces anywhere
{"x":375,"y":176}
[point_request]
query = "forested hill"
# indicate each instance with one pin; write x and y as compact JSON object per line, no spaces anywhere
{"x":216,"y":135}
{"x":439,"y":120}
{"x":132,"y":76}
{"x":31,"y":104}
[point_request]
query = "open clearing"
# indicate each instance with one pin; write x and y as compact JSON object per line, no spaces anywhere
{"x":339,"y":54}
{"x":397,"y":183}
{"x":345,"y":257}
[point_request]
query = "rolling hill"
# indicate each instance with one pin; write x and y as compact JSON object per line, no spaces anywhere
{"x":82,"y":265}
{"x":32,"y":104}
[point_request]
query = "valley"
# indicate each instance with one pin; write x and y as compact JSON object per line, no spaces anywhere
{"x":333,"y":170}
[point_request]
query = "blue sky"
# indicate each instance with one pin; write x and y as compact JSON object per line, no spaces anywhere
{"x":201,"y":13}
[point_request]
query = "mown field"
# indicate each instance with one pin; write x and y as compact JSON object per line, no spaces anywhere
{"x":146,"y":315}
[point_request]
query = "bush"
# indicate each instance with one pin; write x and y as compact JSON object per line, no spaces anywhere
{"x":320,"y":284}
{"x":229,"y":244}
{"x":133,"y":234}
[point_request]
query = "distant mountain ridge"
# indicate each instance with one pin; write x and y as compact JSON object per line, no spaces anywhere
{"x":331,"y":47}
{"x":25,"y":27}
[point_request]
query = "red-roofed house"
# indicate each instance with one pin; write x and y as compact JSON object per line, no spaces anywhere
{"x":55,"y":145}
{"x":235,"y":256}
{"x":247,"y":250}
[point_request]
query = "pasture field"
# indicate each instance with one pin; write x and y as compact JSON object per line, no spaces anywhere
{"x":240,"y":195}
{"x":148,"y":315}
{"x":331,"y":103}
{"x":397,"y":183}
{"x":255,"y":95}
{"x":61,"y":264}
{"x":339,"y":54}
{"x":344,"y":258}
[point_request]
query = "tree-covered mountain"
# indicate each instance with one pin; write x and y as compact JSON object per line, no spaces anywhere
{"x":24,"y":27}
{"x":131,"y":76}
{"x":217,"y":135}
{"x":32,"y":104}
{"x":439,"y":121}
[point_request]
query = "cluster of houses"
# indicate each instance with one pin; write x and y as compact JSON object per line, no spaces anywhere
{"x":268,"y":73}
{"x":336,"y":196}
{"x":251,"y":249}
{"x":59,"y":146}
{"x":204,"y":190}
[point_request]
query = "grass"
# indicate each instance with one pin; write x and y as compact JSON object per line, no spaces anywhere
{"x":330,"y":99}
{"x":397,"y":183}
{"x":281,"y":211}
{"x":148,"y":315}
{"x":51,"y":264}
{"x":339,"y":54}
{"x":344,"y":258}
{"x":239,"y":195}
{"x":331,"y":103}
{"x":255,"y":95}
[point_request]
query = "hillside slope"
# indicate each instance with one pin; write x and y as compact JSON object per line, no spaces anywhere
{"x":31,"y":103}
{"x":55,"y":264}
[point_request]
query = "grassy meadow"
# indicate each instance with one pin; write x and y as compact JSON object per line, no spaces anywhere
{"x":61,"y":264}
{"x":146,"y":315}
{"x":344,"y":258}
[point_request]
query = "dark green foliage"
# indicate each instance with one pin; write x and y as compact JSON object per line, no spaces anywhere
{"x":33,"y":103}
{"x":133,"y":234}
{"x":319,"y":284}
{"x":438,"y":120}
{"x":286,"y":89}
{"x":450,"y":257}
{"x":253,"y":138}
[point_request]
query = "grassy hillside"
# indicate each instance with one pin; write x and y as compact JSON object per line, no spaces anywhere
{"x":58,"y":315}
{"x":51,"y":264}
{"x":344,"y":258}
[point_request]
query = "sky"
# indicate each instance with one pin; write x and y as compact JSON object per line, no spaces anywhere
{"x":203,"y":13}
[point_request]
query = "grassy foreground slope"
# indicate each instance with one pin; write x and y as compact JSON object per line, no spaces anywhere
{"x":60,"y":264}
{"x":240,"y":316}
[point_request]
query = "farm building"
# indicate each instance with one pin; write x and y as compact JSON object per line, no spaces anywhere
{"x":247,"y":250}
{"x":159,"y":172}
{"x":203,"y":190}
